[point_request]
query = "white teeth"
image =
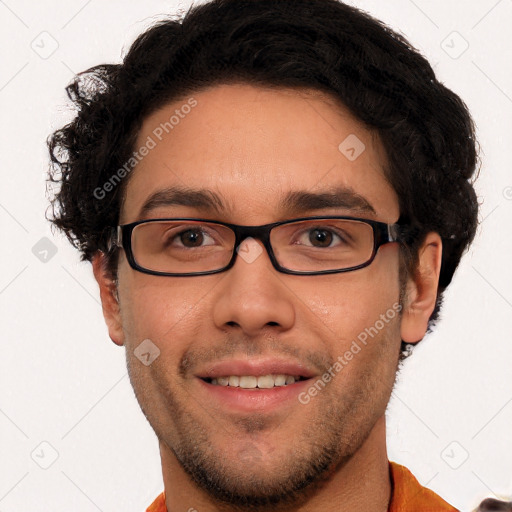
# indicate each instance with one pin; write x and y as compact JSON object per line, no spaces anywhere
{"x":289,"y":380}
{"x":266,"y":382}
{"x":222,"y":381}
{"x":234,"y":381}
{"x":248,"y":382}
{"x":252,"y":382}
{"x":280,"y":380}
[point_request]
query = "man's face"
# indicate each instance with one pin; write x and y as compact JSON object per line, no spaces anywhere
{"x":252,"y":147}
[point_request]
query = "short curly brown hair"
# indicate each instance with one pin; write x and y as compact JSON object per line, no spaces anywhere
{"x":325,"y":45}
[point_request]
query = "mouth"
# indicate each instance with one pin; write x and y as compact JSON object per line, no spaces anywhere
{"x":249,"y":385}
{"x":254,"y":382}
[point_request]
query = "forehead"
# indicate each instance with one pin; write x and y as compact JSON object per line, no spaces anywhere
{"x":253,"y":151}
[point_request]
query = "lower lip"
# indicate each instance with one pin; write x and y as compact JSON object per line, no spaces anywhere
{"x":252,"y":400}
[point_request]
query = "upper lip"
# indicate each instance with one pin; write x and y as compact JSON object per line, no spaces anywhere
{"x":256,"y":367}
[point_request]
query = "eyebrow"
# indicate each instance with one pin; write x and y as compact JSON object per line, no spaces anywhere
{"x":294,"y":202}
{"x":341,"y":197}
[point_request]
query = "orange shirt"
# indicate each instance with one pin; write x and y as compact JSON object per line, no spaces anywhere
{"x":407,"y":495}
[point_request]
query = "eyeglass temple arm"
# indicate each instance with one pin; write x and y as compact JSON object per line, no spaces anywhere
{"x":114,"y":238}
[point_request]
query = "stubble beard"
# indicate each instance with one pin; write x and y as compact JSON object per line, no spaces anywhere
{"x":255,"y":483}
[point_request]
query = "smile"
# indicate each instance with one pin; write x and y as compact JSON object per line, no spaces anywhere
{"x":255,"y":382}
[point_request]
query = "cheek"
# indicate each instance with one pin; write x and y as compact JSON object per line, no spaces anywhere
{"x":344,"y":305}
{"x":160,"y":308}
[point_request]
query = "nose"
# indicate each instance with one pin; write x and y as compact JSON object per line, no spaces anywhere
{"x":253,"y":296}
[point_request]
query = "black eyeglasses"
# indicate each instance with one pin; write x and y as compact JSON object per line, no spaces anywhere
{"x":303,"y":246}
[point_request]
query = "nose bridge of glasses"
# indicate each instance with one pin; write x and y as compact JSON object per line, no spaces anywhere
{"x":260,"y":233}
{"x":257,"y":232}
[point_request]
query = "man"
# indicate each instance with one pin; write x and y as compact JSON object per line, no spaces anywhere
{"x":274,"y":196}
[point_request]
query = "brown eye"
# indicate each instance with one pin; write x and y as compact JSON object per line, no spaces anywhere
{"x":194,"y":236}
{"x":323,"y":236}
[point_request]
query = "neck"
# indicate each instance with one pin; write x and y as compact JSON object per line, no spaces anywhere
{"x":362,"y":483}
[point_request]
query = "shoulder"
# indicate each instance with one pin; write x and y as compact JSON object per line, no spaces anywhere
{"x":158,"y":505}
{"x":409,"y":495}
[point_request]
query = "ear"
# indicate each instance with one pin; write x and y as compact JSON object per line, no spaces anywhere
{"x":421,"y":292}
{"x":109,"y":303}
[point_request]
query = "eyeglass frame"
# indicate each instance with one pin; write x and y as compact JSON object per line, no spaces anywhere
{"x":383,"y":233}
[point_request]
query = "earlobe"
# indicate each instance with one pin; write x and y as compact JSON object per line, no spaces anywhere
{"x":421,"y":291}
{"x":109,"y":302}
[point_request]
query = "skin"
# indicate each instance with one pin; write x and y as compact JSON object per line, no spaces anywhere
{"x":251,"y":145}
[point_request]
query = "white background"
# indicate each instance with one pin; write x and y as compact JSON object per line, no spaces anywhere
{"x":63,"y":382}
